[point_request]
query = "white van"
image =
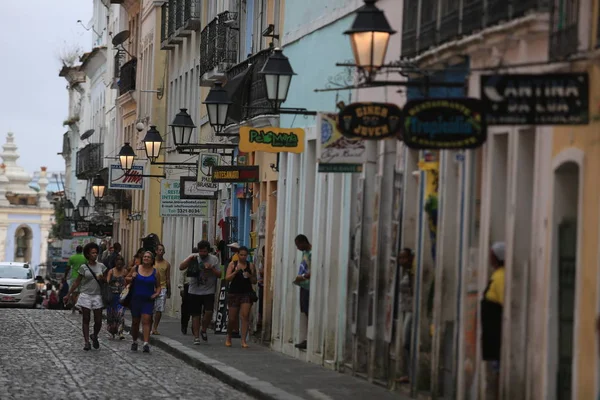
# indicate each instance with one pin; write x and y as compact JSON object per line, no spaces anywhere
{"x":17,"y":285}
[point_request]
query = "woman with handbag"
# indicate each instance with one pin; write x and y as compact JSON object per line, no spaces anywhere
{"x":242,"y":275}
{"x":115,"y":311}
{"x":90,"y":283}
{"x":145,"y":289}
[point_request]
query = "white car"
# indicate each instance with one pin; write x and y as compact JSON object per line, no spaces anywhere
{"x":17,"y":285}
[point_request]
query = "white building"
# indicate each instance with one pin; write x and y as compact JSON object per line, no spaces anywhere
{"x":26,"y":215}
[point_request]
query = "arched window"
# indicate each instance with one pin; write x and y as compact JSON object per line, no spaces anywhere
{"x":23,"y":239}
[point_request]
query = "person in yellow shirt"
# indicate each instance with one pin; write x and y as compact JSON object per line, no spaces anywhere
{"x":234,"y":247}
{"x":492,"y":306}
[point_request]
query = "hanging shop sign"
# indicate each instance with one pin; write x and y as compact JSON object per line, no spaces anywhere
{"x":371,"y":121}
{"x":271,"y":140}
{"x":133,"y":180}
{"x":235,"y":174}
{"x":172,"y":205}
{"x":206,"y":162}
{"x":190,"y":189}
{"x":536,"y":99}
{"x":337,"y":153}
{"x":444,"y":124}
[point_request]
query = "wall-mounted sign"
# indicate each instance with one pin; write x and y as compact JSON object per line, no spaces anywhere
{"x":370,"y":121}
{"x":340,"y":168}
{"x":536,"y":99}
{"x":335,"y":148}
{"x":172,"y":205}
{"x":131,"y":181}
{"x":82,"y":226}
{"x":190,"y":189}
{"x":206,"y":162}
{"x":236,"y":174}
{"x":444,"y":124}
{"x":271,"y":140}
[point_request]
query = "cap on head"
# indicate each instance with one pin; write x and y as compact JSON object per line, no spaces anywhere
{"x":498,"y":248}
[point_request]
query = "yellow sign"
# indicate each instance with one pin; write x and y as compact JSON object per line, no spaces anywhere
{"x":271,"y":140}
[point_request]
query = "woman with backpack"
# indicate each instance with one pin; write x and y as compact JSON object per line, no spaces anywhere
{"x":91,"y":274}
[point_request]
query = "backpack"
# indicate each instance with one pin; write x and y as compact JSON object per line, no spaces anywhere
{"x":53,"y":300}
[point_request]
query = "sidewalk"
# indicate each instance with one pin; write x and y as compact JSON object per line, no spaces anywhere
{"x":263,"y":373}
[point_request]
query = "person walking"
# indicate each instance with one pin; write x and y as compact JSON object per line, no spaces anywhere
{"x":146,"y":288}
{"x":203,"y":285}
{"x":90,"y":276}
{"x":405,"y":289}
{"x":112,"y":257}
{"x":164,"y":273}
{"x":115,"y":312}
{"x":303,"y":279}
{"x":242,"y":275}
{"x":184,"y":287}
{"x":72,"y":272}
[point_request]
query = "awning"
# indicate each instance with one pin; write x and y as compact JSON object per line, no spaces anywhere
{"x":238,"y":89}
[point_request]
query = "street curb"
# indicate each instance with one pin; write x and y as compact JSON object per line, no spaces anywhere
{"x":235,"y":378}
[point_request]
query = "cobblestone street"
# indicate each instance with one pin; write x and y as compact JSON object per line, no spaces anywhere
{"x":41,"y":356}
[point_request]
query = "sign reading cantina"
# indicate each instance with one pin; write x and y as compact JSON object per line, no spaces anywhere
{"x":533,"y":99}
{"x":370,"y":120}
{"x":444,"y":124}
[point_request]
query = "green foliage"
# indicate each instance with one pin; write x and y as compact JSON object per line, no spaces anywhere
{"x":59,"y":219}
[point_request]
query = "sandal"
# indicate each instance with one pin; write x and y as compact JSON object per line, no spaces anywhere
{"x":204,"y":336}
{"x":227,"y":342}
{"x":245,"y":346}
{"x":87,"y":346}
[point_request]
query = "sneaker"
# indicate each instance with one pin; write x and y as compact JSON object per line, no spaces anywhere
{"x":87,"y":347}
{"x":146,"y":348}
{"x":204,"y":336}
{"x":196,"y":341}
{"x":134,"y":346}
{"x":121,"y":337}
{"x":184,"y":330}
{"x":95,"y":341}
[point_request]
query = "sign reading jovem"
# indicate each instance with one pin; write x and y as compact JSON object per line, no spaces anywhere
{"x":370,"y":121}
{"x":271,"y":140}
{"x":536,"y":99}
{"x":133,"y":180}
{"x":236,"y":174}
{"x":444,"y":124}
{"x":171,"y":204}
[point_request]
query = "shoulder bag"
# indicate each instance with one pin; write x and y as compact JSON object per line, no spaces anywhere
{"x":125,"y":298}
{"x":105,"y":291}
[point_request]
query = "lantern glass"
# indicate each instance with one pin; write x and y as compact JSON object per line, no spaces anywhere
{"x":98,"y":187}
{"x":277,"y":87}
{"x":152,"y":143}
{"x":369,"y":49}
{"x":126,"y":157}
{"x":69,"y":207}
{"x":217,"y":105}
{"x":182,"y":128}
{"x":83,"y":207}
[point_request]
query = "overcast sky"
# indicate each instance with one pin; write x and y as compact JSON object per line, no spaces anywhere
{"x":34,"y":101}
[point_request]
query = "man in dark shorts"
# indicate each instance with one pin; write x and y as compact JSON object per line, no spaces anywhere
{"x":203,"y":285}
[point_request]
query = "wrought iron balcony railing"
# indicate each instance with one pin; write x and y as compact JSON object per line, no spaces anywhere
{"x":127,"y":76}
{"x":564,"y":42}
{"x":164,"y":27}
{"x":188,"y":16}
{"x":218,"y":44}
{"x":254,"y":98}
{"x":89,"y":161}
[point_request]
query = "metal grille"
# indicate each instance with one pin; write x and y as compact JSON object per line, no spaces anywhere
{"x":564,"y":29}
{"x":89,"y":161}
{"x":164,"y":26}
{"x":128,"y":76}
{"x":219,"y":43}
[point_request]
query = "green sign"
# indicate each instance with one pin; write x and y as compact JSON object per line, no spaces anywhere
{"x":340,"y":168}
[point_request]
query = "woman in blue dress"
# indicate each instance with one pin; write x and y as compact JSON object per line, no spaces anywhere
{"x":146,"y":288}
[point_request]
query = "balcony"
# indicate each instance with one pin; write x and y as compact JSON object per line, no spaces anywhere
{"x":218,"y":48}
{"x":89,"y":161}
{"x":127,"y":76}
{"x":564,"y":42}
{"x":188,"y":17}
{"x":164,"y":28}
{"x":471,"y":17}
{"x":247,"y":88}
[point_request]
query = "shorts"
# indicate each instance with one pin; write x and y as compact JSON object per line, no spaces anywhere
{"x":197,"y":303}
{"x":235,"y":300}
{"x":141,"y":306}
{"x":161,"y":300}
{"x":90,"y":301}
{"x":304,"y":300}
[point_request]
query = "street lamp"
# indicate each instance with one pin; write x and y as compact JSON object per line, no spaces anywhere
{"x":278,"y":73}
{"x":98,"y":187}
{"x":126,"y":157}
{"x":217,"y":104}
{"x":182,"y":127}
{"x":369,"y":35}
{"x":83,"y":207}
{"x":69,"y":207}
{"x":152,"y":143}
